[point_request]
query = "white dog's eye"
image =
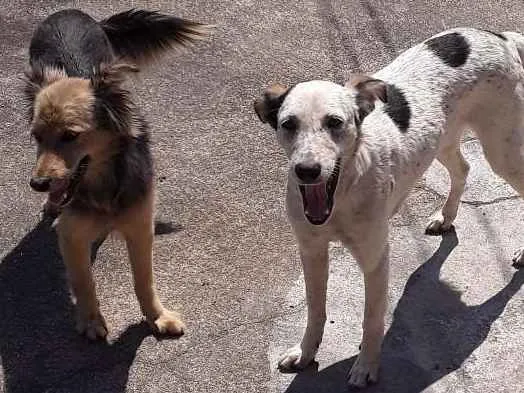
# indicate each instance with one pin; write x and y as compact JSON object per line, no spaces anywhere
{"x":334,"y":122}
{"x":289,"y":124}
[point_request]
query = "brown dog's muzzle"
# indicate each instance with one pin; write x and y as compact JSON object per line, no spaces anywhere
{"x":49,"y":168}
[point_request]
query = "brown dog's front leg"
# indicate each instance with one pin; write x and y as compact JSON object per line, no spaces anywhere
{"x":75,"y":235}
{"x":137,"y":228}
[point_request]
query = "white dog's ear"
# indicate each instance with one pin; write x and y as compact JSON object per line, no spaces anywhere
{"x":267,"y":106}
{"x":367,"y":90}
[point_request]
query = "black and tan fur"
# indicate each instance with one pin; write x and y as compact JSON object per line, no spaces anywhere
{"x":93,"y":157}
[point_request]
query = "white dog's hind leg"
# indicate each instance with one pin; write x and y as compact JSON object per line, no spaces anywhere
{"x":314,"y":256}
{"x":503,"y":146}
{"x":512,"y":170}
{"x":510,"y":166}
{"x":366,"y":366}
{"x":458,"y":169}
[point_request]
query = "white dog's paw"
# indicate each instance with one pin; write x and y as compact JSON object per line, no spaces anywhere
{"x":438,"y":225}
{"x":363,"y":372}
{"x":518,"y":259}
{"x":293,"y":360}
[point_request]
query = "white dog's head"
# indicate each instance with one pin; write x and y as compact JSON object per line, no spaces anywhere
{"x":317,"y":124}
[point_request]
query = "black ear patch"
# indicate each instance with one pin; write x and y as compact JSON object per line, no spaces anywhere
{"x":452,"y":48}
{"x":368,"y":91}
{"x":113,"y":106}
{"x":267,"y":106}
{"x":397,"y":107}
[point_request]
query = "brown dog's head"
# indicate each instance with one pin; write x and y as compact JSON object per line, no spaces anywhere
{"x":74,"y":122}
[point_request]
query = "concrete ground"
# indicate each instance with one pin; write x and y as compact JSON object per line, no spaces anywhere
{"x":227,"y":259}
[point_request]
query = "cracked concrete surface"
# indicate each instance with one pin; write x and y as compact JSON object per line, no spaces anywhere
{"x":450,"y":306}
{"x":226,"y":257}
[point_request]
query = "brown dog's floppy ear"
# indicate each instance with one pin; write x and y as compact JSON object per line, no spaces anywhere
{"x":368,"y":90}
{"x":267,"y":106}
{"x":113,"y":105}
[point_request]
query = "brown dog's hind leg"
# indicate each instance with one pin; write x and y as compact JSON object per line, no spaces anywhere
{"x":137,"y":227}
{"x":75,"y":235}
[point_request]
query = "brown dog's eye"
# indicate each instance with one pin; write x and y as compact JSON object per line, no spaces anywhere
{"x":289,"y":125}
{"x":334,"y":122}
{"x":68,"y":136}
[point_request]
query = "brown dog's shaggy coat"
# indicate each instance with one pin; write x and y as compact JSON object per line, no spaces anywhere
{"x":93,"y":155}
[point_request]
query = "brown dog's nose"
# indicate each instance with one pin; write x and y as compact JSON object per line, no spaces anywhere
{"x":308,"y":173}
{"x":40,"y":184}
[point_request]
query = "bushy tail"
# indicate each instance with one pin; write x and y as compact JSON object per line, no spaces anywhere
{"x":140,"y":35}
{"x":518,"y":40}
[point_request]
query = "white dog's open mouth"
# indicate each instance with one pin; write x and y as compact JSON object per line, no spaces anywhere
{"x":62,"y":191}
{"x":318,"y":198}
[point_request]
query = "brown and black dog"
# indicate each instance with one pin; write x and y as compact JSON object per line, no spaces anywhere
{"x":93,"y":157}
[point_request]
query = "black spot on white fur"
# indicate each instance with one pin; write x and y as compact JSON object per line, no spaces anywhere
{"x":268,"y":112}
{"x":397,"y":107}
{"x":452,"y":48}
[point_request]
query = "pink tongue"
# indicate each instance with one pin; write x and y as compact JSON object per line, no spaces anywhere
{"x":316,"y":200}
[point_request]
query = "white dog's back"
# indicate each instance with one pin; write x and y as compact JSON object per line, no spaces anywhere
{"x":457,"y":80}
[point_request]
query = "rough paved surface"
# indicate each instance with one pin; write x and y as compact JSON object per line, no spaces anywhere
{"x":228,"y":260}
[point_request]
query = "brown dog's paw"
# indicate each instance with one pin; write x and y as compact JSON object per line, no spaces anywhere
{"x":94,"y":328}
{"x":169,"y":323}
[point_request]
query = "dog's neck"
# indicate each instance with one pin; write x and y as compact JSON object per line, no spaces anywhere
{"x":354,"y":164}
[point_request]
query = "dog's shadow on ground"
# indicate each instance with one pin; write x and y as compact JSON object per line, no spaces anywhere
{"x":433,"y":332}
{"x":39,"y":347}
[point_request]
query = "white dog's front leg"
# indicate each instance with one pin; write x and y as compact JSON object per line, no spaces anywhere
{"x":314,"y":256}
{"x":366,"y":366}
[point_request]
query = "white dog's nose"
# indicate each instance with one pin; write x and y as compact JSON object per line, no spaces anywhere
{"x":308,"y":173}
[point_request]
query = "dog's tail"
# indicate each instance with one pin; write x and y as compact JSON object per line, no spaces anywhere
{"x":518,"y":40}
{"x":140,"y":36}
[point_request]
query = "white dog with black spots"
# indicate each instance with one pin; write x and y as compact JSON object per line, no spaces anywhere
{"x":355,"y":151}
